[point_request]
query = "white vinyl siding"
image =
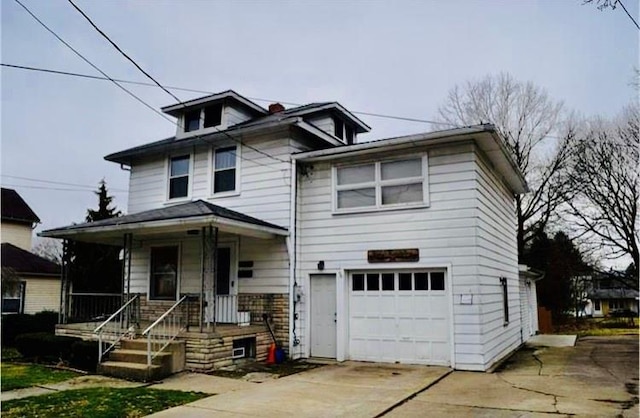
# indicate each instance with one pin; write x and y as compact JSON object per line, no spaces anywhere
{"x":497,"y":257}
{"x":16,"y":234}
{"x":324,"y":122}
{"x":41,"y":294}
{"x":444,"y":233}
{"x":234,"y":115}
{"x":270,"y":264}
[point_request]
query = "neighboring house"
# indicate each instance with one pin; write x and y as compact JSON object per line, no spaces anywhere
{"x":609,"y":296}
{"x":39,"y":279}
{"x":396,"y":250}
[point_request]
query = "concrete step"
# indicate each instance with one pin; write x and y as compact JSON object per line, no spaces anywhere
{"x":138,"y":356}
{"x":132,"y":371}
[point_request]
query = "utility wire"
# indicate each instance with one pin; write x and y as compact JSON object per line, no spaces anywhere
{"x":138,"y":98}
{"x":87,"y":61}
{"x":628,"y":14}
{"x":141,"y":83}
{"x":55,"y":188}
{"x":104,"y":35}
{"x":37,"y":180}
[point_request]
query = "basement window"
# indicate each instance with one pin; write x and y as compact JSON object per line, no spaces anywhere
{"x":244,"y":348}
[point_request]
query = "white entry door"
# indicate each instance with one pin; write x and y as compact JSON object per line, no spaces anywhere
{"x":323,"y":315}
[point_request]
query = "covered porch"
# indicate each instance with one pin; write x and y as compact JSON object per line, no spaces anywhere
{"x":189,"y":272}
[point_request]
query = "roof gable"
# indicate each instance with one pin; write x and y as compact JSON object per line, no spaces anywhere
{"x":229,"y":95}
{"x":14,"y":208}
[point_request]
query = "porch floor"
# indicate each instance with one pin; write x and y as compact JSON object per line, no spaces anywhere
{"x":85,"y":330}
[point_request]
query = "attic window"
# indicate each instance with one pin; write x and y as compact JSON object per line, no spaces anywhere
{"x":348,"y":130}
{"x":338,"y":128}
{"x":192,"y":121}
{"x":213,"y":115}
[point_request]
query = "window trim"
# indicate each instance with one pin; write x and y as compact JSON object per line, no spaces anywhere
{"x":167,"y":170}
{"x":378,"y":184}
{"x":178,"y":271}
{"x":212,"y":171}
{"x":22,"y":293}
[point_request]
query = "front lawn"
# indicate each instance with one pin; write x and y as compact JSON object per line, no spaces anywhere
{"x":17,"y":376}
{"x":98,"y":403}
{"x":586,"y":327}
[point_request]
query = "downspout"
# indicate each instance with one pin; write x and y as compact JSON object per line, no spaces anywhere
{"x":291,"y":247}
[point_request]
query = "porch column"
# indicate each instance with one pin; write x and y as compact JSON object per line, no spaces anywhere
{"x":208,"y":277}
{"x":127,"y":244}
{"x":63,"y":315}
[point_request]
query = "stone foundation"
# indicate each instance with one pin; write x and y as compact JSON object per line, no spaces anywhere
{"x":274,"y":305}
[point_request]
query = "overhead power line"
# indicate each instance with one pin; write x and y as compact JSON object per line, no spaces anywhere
{"x":37,"y":180}
{"x":191,"y":90}
{"x":138,"y":98}
{"x":65,"y":189}
{"x":628,"y":14}
{"x":104,"y":35}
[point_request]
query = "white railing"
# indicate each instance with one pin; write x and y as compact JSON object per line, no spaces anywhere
{"x":112,"y":330}
{"x":166,"y":328}
{"x":227,"y":311}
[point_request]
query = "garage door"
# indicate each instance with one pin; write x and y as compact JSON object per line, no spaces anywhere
{"x":400,"y":316}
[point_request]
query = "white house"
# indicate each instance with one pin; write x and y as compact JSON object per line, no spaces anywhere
{"x":397,"y":250}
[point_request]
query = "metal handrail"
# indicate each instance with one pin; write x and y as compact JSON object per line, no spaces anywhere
{"x":166,"y":336}
{"x":119,"y":334}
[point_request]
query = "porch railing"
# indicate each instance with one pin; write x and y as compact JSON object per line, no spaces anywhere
{"x":166,"y":328}
{"x":89,"y":307}
{"x":227,"y":311}
{"x":111,"y":331}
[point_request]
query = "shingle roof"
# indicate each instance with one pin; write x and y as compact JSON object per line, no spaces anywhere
{"x":613,"y":294}
{"x":181,"y":211}
{"x":14,"y":208}
{"x":25,"y":262}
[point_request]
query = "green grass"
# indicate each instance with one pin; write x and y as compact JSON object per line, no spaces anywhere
{"x":98,"y":403}
{"x":603,"y":332}
{"x":10,"y":353}
{"x":17,"y":376}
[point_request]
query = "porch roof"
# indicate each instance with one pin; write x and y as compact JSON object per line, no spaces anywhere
{"x":170,"y":219}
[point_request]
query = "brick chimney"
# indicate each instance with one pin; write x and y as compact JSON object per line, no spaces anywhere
{"x":275,"y":108}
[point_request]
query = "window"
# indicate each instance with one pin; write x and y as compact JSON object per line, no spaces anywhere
{"x":398,"y":281}
{"x":338,"y":128}
{"x":505,"y":299}
{"x":192,"y":121}
{"x":615,"y":304}
{"x":213,"y":115}
{"x":179,"y":177}
{"x":349,"y":134}
{"x":596,"y":305}
{"x":164,"y":273}
{"x":13,"y":302}
{"x":224,"y":170}
{"x":381,"y":184}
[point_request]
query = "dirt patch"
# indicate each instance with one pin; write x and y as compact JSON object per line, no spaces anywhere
{"x":278,"y":370}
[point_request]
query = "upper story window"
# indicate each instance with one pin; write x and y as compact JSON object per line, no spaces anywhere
{"x":380,"y":185}
{"x":206,"y":117}
{"x":225,"y":169}
{"x":343,"y":131}
{"x":179,"y":176}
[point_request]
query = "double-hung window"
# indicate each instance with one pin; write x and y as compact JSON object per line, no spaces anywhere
{"x":383,"y":184}
{"x":224,"y":169}
{"x":179,"y":176}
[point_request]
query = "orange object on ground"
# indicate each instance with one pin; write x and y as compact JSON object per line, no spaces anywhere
{"x":271,"y":357}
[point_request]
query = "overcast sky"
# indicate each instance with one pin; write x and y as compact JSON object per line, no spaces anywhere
{"x":397,"y":58}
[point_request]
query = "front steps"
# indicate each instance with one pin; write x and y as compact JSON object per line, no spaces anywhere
{"x":129,"y":361}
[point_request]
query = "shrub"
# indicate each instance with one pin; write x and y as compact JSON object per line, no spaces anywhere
{"x":84,"y":355}
{"x":14,"y":325}
{"x":44,"y":345}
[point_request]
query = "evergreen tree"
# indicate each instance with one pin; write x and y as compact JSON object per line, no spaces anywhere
{"x":96,"y":268}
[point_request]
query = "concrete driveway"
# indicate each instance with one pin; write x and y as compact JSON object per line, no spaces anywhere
{"x":598,"y":377}
{"x":350,"y":389}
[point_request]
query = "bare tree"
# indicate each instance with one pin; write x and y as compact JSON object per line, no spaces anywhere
{"x":605,"y":180}
{"x":49,"y":248}
{"x":524,"y":115}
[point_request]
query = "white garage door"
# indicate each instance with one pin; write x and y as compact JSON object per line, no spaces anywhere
{"x":400,"y":316}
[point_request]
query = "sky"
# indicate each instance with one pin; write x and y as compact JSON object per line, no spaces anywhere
{"x":396,"y":58}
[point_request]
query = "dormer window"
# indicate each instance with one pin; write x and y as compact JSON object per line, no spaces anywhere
{"x":192,"y":121}
{"x":343,"y":131}
{"x":338,"y":128}
{"x":207,"y":117}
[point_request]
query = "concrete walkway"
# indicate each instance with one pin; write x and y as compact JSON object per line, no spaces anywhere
{"x":550,"y":340}
{"x":81,"y":382}
{"x":347,"y":389}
